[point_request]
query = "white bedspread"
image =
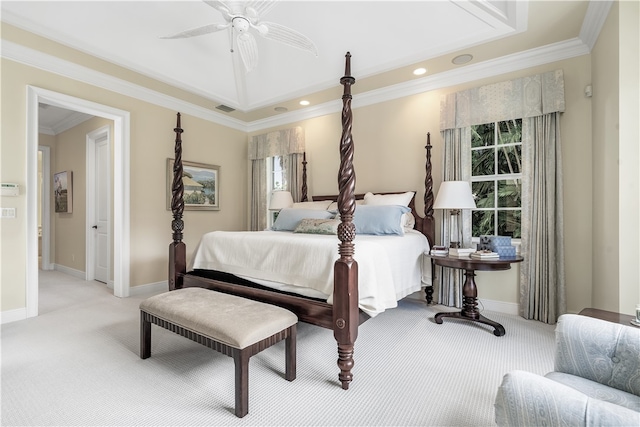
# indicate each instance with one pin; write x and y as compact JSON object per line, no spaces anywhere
{"x":389,"y":267}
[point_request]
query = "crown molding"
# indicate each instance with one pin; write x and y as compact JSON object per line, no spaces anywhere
{"x":596,"y":15}
{"x":65,"y":124}
{"x":46,"y":130}
{"x":506,"y":64}
{"x":52,"y":64}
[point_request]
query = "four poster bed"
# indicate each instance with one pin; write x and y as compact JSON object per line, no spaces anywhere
{"x":347,"y":290}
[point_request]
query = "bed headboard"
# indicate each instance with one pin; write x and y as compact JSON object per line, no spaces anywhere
{"x":424,"y":223}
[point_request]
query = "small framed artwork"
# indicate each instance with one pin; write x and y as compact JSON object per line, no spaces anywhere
{"x":201,"y":185}
{"x":63,"y":191}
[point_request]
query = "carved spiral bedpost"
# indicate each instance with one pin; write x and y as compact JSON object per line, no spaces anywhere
{"x":345,"y":288}
{"x":304,"y":177}
{"x":429,"y":224}
{"x":429,"y":221}
{"x":177,"y":249}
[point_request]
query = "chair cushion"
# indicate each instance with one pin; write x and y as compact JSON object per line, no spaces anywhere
{"x":596,"y":390}
{"x":527,"y":399}
{"x":229,"y":319}
{"x":600,"y":351}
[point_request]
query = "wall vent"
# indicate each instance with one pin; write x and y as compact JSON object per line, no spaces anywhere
{"x":225,"y":108}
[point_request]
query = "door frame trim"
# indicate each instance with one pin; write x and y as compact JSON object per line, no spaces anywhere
{"x":90,"y":240}
{"x":121,"y":187}
{"x":45,"y":205}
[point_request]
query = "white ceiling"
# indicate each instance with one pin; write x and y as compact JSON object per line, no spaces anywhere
{"x":53,"y":120}
{"x":383,"y":36}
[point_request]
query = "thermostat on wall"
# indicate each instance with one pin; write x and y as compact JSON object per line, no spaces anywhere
{"x":9,"y":189}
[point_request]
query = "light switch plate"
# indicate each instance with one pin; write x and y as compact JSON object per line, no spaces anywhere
{"x":8,"y":212}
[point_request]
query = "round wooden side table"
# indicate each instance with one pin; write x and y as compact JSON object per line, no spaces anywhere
{"x":470,"y":290}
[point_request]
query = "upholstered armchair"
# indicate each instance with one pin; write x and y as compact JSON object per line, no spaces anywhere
{"x":596,"y":379}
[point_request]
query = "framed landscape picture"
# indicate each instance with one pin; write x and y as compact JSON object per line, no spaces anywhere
{"x":201,"y":185}
{"x":63,"y":192}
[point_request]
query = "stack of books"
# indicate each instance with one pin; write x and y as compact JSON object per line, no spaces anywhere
{"x":439,"y":250}
{"x":461,"y":252}
{"x":485,"y":254}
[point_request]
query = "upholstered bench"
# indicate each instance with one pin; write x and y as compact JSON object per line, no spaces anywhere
{"x":235,"y":326}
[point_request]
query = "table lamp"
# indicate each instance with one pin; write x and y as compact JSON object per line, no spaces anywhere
{"x":454,"y":196}
{"x":280,"y":200}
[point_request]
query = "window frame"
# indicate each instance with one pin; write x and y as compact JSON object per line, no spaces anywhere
{"x":271,"y":171}
{"x":497,"y":177}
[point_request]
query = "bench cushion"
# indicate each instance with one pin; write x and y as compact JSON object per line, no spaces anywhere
{"x":235,"y":321}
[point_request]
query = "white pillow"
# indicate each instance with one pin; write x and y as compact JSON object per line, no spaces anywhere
{"x":334,"y":205}
{"x":320,"y":205}
{"x":401,"y":199}
{"x":408,"y":221}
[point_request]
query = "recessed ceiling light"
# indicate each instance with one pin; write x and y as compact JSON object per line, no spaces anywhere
{"x":419,"y":71}
{"x":462,"y":59}
{"x":281,"y":109}
{"x":304,"y":102}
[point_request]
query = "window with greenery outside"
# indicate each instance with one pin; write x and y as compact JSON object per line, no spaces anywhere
{"x":496,"y":178}
{"x":277,"y":180}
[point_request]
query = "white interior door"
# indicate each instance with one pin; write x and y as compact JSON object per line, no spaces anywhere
{"x":102,"y":210}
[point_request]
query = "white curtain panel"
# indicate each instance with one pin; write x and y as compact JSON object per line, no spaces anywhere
{"x":456,"y":167}
{"x":288,"y":143}
{"x":542,"y":276}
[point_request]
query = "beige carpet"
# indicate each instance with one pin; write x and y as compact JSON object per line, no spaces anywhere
{"x":78,"y":364}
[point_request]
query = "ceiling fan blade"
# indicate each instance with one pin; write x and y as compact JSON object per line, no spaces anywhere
{"x":286,"y":35}
{"x":221,"y":7}
{"x":261,"y":8}
{"x":241,"y":83}
{"x":207,"y":29}
{"x":248,"y":50}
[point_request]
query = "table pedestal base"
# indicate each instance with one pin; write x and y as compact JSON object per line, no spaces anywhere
{"x":470,"y":307}
{"x":498,"y":328}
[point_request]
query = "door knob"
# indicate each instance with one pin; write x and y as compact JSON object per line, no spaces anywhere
{"x":95,"y":227}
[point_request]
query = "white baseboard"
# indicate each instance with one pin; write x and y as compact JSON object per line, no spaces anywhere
{"x":483,"y":304}
{"x":149,"y":288}
{"x":70,"y":271}
{"x":13,"y":315}
{"x":499,"y":306}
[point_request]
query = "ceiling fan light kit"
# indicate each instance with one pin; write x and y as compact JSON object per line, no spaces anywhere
{"x":240,"y":18}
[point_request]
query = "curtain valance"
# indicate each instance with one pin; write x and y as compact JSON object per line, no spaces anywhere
{"x":519,"y":98}
{"x":277,"y":143}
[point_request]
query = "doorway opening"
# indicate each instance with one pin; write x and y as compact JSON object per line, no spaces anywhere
{"x":121,"y":182}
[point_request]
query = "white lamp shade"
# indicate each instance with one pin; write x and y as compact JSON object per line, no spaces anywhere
{"x":454,"y":195}
{"x":280,"y":200}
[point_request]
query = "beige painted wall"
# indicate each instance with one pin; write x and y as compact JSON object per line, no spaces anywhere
{"x":605,"y":164}
{"x":389,"y":156}
{"x":50,"y":141}
{"x":616,"y":176}
{"x":70,"y":153}
{"x":152,"y":142}
{"x":630,"y":162}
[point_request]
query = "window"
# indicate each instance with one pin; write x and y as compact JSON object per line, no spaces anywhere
{"x":276,"y":174}
{"x":496,"y":178}
{"x":276,"y":181}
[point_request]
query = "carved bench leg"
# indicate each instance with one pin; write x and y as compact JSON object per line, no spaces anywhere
{"x":241,"y":361}
{"x":145,"y":337}
{"x":290,"y":354}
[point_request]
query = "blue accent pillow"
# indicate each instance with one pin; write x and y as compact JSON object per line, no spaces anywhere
{"x":379,"y":219}
{"x":289,"y":218}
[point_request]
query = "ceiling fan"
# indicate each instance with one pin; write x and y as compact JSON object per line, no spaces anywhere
{"x":243,"y":16}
